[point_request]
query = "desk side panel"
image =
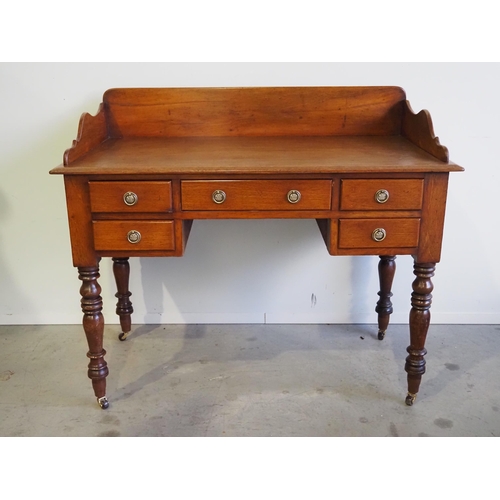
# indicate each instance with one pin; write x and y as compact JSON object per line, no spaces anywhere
{"x":258,"y":111}
{"x":433,"y":213}
{"x":80,"y":221}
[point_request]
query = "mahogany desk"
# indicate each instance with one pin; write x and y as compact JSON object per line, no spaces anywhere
{"x":356,"y":159}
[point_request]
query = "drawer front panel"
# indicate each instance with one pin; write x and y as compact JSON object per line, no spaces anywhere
{"x":256,"y":195}
{"x":135,"y":196}
{"x":134,"y":235}
{"x":392,"y":194}
{"x":382,"y":233}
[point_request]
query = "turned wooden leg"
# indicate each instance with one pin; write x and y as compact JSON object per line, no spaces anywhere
{"x":121,"y":270}
{"x":93,"y":324}
{"x":420,"y":317}
{"x":386,"y":270}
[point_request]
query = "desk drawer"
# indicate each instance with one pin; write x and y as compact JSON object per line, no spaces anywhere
{"x":381,"y":194}
{"x":256,"y":195}
{"x":383,"y":233}
{"x":135,"y":196}
{"x":134,"y":235}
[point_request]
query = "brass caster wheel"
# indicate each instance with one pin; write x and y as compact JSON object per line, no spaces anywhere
{"x":410,"y":399}
{"x":381,"y":334}
{"x":123,"y":336}
{"x":103,"y":402}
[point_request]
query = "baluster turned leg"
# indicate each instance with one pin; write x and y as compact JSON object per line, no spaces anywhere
{"x":121,"y":270}
{"x":420,"y":317}
{"x":386,"y":270}
{"x":93,"y":325}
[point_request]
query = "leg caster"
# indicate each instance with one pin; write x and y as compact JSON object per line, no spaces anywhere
{"x":103,"y":402}
{"x":410,"y":399}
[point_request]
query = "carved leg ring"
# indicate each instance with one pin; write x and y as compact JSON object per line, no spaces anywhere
{"x":420,"y":317}
{"x":386,"y":270}
{"x":121,"y":270}
{"x":93,"y":325}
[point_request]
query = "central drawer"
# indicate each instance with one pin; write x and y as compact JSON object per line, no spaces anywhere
{"x":256,"y":195}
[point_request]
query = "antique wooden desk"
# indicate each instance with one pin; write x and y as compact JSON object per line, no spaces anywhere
{"x":356,"y":159}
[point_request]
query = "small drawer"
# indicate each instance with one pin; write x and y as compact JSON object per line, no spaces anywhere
{"x":382,"y":233}
{"x":381,"y":194}
{"x":134,"y":235}
{"x":139,"y":196}
{"x":256,"y":195}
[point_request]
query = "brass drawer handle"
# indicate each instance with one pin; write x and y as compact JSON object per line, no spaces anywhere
{"x":382,"y":195}
{"x":293,"y":196}
{"x":219,"y":196}
{"x":134,"y":236}
{"x":130,"y":198}
{"x":379,"y":234}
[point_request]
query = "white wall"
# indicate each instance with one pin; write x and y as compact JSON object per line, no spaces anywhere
{"x":243,"y":271}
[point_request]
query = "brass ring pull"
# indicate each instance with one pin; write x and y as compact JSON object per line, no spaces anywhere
{"x":293,"y":196}
{"x":382,"y":195}
{"x":219,"y":196}
{"x":130,"y":198}
{"x":134,"y":236}
{"x":379,"y":234}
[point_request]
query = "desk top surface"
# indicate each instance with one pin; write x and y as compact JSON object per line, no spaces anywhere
{"x":256,"y":156}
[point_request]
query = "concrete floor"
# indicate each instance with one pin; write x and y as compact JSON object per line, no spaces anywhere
{"x":250,"y":380}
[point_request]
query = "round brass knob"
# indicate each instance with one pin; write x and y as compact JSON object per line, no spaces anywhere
{"x":379,"y":234}
{"x":382,"y":195}
{"x":134,"y":236}
{"x":293,"y":196}
{"x":219,"y":196}
{"x":130,"y":198}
